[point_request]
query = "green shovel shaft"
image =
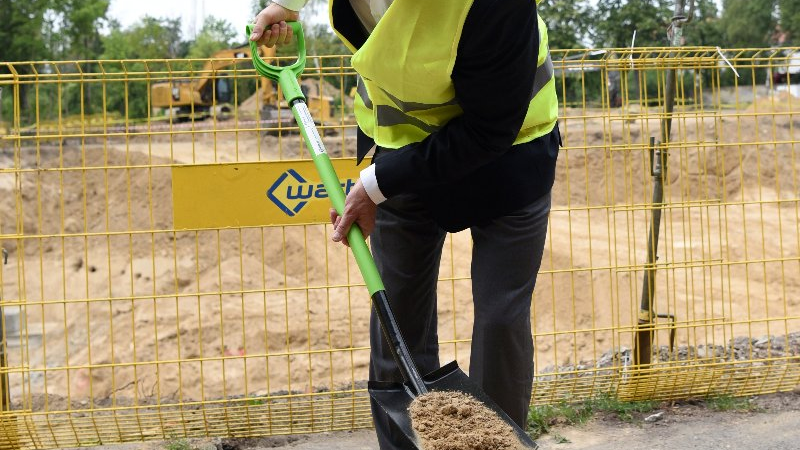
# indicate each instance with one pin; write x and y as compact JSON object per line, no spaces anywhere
{"x":335,"y":192}
{"x":287,"y":79}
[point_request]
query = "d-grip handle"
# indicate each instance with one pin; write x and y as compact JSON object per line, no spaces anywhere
{"x":291,"y":91}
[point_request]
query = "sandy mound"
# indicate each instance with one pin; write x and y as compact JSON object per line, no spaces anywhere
{"x":231,"y":313}
{"x":457,"y":421}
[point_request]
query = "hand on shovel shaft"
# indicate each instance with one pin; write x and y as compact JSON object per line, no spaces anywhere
{"x":358,"y":209}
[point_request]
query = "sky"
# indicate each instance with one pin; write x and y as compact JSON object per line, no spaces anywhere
{"x":237,"y":12}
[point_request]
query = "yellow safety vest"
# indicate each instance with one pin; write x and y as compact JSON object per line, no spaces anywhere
{"x":405,"y":92}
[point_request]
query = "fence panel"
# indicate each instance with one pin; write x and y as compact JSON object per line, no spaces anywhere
{"x":169,"y":271}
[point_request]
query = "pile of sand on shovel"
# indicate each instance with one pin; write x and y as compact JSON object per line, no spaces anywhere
{"x":457,"y":421}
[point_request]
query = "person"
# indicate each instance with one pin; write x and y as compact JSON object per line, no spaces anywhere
{"x":457,"y":102}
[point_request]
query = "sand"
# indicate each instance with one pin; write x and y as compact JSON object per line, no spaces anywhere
{"x":457,"y":421}
{"x":190,"y":316}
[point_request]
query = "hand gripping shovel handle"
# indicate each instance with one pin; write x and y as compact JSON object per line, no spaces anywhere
{"x":287,"y":79}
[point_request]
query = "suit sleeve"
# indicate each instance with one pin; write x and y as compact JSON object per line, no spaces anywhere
{"x":493,"y":77}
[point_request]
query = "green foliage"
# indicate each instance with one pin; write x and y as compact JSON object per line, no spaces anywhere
{"x":623,"y":410}
{"x":178,"y":444}
{"x":256,"y":402}
{"x":216,"y":35}
{"x":647,"y":86}
{"x":560,"y":439}
{"x":6,"y":111}
{"x":150,"y":38}
{"x":568,"y":22}
{"x":748,"y":23}
{"x":36,"y":30}
{"x":789,"y":20}
{"x":72,"y":32}
{"x":19,"y":36}
{"x":320,"y":40}
{"x":616,"y":20}
{"x":730,"y":403}
{"x":72,"y":28}
{"x":541,"y":419}
{"x":579,"y":87}
{"x":704,"y":29}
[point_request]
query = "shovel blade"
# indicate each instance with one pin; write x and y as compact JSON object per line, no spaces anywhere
{"x":395,"y":399}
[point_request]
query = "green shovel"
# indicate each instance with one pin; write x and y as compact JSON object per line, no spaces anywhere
{"x":393,"y":397}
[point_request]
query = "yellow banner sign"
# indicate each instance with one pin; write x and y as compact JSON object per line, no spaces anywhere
{"x":254,"y":194}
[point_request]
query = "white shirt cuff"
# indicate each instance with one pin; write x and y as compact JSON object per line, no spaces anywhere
{"x":370,"y":183}
{"x":294,"y":5}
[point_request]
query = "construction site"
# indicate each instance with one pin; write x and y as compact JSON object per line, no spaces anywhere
{"x":171,"y":273}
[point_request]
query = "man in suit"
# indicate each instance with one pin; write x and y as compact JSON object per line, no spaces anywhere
{"x":457,"y":101}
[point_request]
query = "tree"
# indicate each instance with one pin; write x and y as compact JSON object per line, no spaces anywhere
{"x":216,"y":35}
{"x":568,"y":22}
{"x":704,"y":29}
{"x":19,"y":36}
{"x":20,"y":41}
{"x":72,"y":28}
{"x":150,"y":38}
{"x":789,"y":19}
{"x":748,"y":23}
{"x":616,"y":21}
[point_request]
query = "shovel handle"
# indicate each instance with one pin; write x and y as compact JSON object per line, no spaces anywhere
{"x":291,"y":91}
{"x":287,"y":80}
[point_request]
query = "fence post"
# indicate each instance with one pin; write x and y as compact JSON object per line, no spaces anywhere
{"x":645,"y":329}
{"x":9,"y":436}
{"x":5,"y":402}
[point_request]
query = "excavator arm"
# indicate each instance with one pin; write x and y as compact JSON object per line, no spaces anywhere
{"x":211,"y":87}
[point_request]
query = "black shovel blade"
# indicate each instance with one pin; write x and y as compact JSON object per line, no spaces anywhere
{"x":395,"y":398}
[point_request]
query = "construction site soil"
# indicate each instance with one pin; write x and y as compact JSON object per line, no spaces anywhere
{"x":199,"y":315}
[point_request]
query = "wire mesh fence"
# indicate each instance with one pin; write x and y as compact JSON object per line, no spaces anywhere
{"x":169,"y":272}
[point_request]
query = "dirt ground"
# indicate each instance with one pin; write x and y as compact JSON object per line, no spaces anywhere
{"x":771,"y":423}
{"x":231,"y":297}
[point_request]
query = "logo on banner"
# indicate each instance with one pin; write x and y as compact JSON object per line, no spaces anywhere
{"x":291,"y":192}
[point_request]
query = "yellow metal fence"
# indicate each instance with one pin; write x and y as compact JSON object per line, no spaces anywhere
{"x":170,"y":274}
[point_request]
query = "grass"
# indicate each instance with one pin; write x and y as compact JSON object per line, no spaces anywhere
{"x":541,"y":419}
{"x":560,"y":439}
{"x":624,"y":410}
{"x":255,"y":402}
{"x":729,"y":403}
{"x":178,"y":444}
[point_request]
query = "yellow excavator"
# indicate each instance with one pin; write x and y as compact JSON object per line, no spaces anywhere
{"x":211,"y":94}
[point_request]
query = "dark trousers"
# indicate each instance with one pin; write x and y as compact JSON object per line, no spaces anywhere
{"x":507,"y":252}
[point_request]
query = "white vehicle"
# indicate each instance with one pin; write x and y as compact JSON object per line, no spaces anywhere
{"x":786,"y":75}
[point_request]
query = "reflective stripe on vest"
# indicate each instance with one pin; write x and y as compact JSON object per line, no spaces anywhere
{"x":388,"y":116}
